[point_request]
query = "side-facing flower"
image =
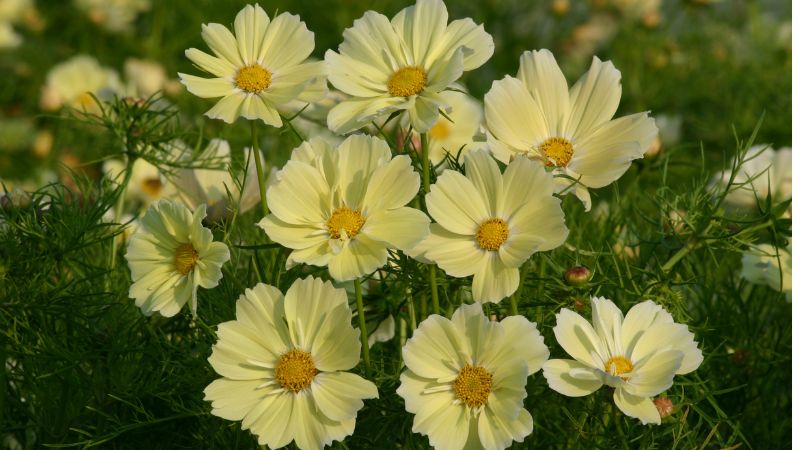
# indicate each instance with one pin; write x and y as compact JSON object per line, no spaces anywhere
{"x":344,"y":207}
{"x":764,"y":264}
{"x":569,"y":130}
{"x":403,"y":65}
{"x":73,"y":82}
{"x":488,"y":224}
{"x":283,"y":363}
{"x":763,"y":171}
{"x":263,"y":67}
{"x":638,"y":355}
{"x":465,"y":378}
{"x":170,"y":255}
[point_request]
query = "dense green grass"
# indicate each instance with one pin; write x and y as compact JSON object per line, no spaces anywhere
{"x":83,"y":367}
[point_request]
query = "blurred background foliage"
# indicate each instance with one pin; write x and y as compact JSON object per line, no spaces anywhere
{"x":83,"y":367}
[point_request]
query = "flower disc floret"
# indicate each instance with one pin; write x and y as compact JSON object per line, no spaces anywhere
{"x":295,"y":370}
{"x":407,"y":81}
{"x":558,"y":151}
{"x":253,"y":78}
{"x":473,"y":386}
{"x":619,"y":366}
{"x":492,"y":234}
{"x":347,"y":220}
{"x":185,"y":258}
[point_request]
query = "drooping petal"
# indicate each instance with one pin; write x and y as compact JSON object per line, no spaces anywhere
{"x":493,"y":280}
{"x":497,"y":433}
{"x":560,"y":375}
{"x":641,"y":408}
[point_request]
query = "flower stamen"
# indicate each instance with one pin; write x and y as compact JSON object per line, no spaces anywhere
{"x":185,"y":258}
{"x":558,"y":151}
{"x":407,"y":81}
{"x":473,"y":386}
{"x":295,"y":370}
{"x":492,"y":234}
{"x":253,"y":78}
{"x":345,"y":219}
{"x":619,"y":366}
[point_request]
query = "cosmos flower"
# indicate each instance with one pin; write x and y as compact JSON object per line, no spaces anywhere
{"x":638,"y":355}
{"x":403,"y":65}
{"x":465,"y":378}
{"x":170,"y":255}
{"x":283,"y":363}
{"x":344,"y":208}
{"x":763,"y":264}
{"x":260,"y":69}
{"x":488,"y":224}
{"x":763,"y":171}
{"x":73,"y":82}
{"x":568,"y":130}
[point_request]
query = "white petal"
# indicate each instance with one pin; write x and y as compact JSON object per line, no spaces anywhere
{"x":361,"y":256}
{"x":435,"y":351}
{"x":299,"y":195}
{"x":497,"y":434}
{"x":421,"y":27}
{"x":228,"y":109}
{"x":354,"y":113}
{"x":493,"y":280}
{"x":222,"y":43}
{"x":476,"y":44}
{"x":484,"y":174}
{"x":539,"y":71}
{"x":207,"y":87}
{"x":557,"y":373}
{"x":456,"y":205}
{"x":513,"y":116}
{"x":607,"y":322}
{"x":339,"y":395}
{"x":594,"y":98}
{"x":577,"y":337}
{"x":456,"y":254}
{"x":231,"y":399}
{"x":290,"y":235}
{"x":641,"y":408}
{"x":391,"y":185}
{"x":523,"y":339}
{"x":216,"y":66}
{"x":401,"y":228}
{"x":287,"y":42}
{"x":250,"y":24}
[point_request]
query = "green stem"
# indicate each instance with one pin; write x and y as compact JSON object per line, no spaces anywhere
{"x":262,"y":183}
{"x":514,"y":310}
{"x":434,"y":288}
{"x":120,"y":205}
{"x":362,"y":323}
{"x":426,"y":163}
{"x":412,"y":313}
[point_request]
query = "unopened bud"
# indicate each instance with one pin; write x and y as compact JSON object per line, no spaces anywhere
{"x":577,"y":276}
{"x":664,"y":406}
{"x":579,"y":305}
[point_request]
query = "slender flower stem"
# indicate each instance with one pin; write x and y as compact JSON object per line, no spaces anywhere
{"x":514,"y":310}
{"x":412,"y":313}
{"x":262,"y":183}
{"x":426,"y":186}
{"x":112,"y":257}
{"x":362,"y":323}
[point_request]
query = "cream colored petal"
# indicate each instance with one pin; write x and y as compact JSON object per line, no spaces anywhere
{"x":437,"y":350}
{"x":445,"y":72}
{"x":287,"y":42}
{"x":340,"y":395}
{"x":557,"y":373}
{"x":352,"y":114}
{"x":356,"y":77}
{"x":456,"y":205}
{"x":293,"y":82}
{"x":594,"y":98}
{"x":374,"y":41}
{"x":445,"y":424}
{"x":422,"y":27}
{"x":497,"y":433}
{"x":228,"y":109}
{"x":250,"y":25}
{"x":309,"y":303}
{"x":513,"y":116}
{"x":482,"y":171}
{"x":577,"y":337}
{"x":456,"y":254}
{"x":317,"y":255}
{"x":480,"y":335}
{"x":292,"y":236}
{"x":535,"y":228}
{"x":522,"y":338}
{"x":476,"y":44}
{"x":207,"y":87}
{"x":255,"y":107}
{"x":412,"y":390}
{"x":272,"y":427}
{"x":501,"y":151}
{"x":261,"y":308}
{"x":638,"y":319}
{"x":336,"y":345}
{"x":312,"y":430}
{"x":641,"y":408}
{"x":401,"y":228}
{"x":233,"y":399}
{"x":654,"y":375}
{"x":216,"y":66}
{"x":358,"y":158}
{"x":540,"y":73}
{"x":222,"y":43}
{"x":242,"y":352}
{"x":423,"y":112}
{"x":300,"y":195}
{"x":210,"y":264}
{"x":607,"y":322}
{"x":391,"y":186}
{"x":493,"y":280}
{"x":360,"y":257}
{"x":605,"y":155}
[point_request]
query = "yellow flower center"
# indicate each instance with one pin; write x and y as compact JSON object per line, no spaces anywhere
{"x":185,"y":258}
{"x":491,"y":234}
{"x":441,"y":130}
{"x":152,"y":186}
{"x":345,"y":219}
{"x":85,"y":100}
{"x":407,"y":81}
{"x":473,"y":385}
{"x":619,"y":366}
{"x":295,"y":370}
{"x":557,"y":150}
{"x":253,"y":78}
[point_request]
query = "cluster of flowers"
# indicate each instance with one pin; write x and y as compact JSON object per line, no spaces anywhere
{"x":283,"y":361}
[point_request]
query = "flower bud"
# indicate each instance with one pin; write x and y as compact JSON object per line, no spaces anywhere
{"x":577,"y":276}
{"x":664,"y":406}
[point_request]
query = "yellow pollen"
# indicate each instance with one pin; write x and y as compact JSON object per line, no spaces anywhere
{"x":152,"y":186}
{"x":557,"y":150}
{"x":441,"y":130}
{"x":253,"y":78}
{"x":473,"y":385}
{"x":185,"y":258}
{"x":85,"y":100}
{"x":345,"y":219}
{"x":619,"y":366}
{"x":407,"y":81}
{"x":295,"y":370}
{"x":491,"y":234}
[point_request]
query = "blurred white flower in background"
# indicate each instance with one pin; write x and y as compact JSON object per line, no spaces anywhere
{"x":12,"y":12}
{"x":145,"y":77}
{"x":763,"y":171}
{"x":73,"y":82}
{"x":762,"y":265}
{"x":116,"y":16}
